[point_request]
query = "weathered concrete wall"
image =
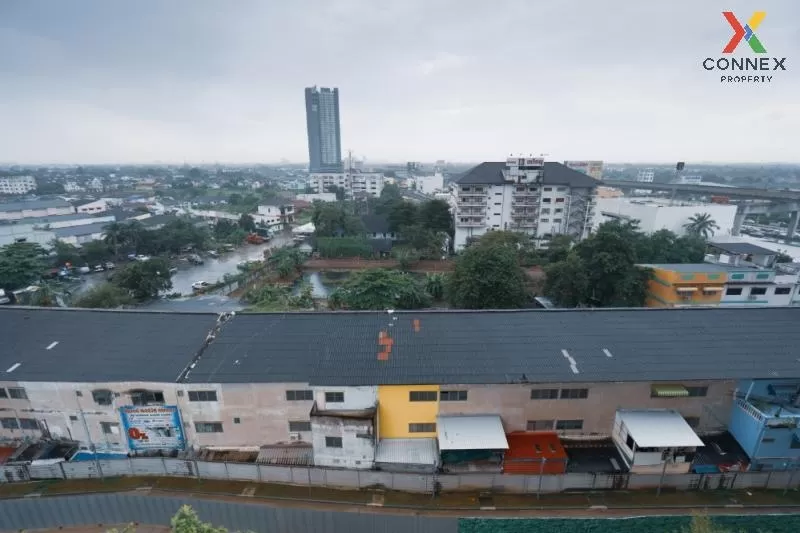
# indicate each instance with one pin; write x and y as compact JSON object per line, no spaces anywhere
{"x":514,"y":404}
{"x":354,"y":397}
{"x":358,"y":442}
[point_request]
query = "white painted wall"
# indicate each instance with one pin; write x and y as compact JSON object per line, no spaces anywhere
{"x":358,"y":442}
{"x":354,"y":397}
{"x":654,"y":216}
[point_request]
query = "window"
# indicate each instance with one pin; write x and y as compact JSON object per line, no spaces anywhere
{"x":103,"y":396}
{"x":208,"y":427}
{"x":427,"y":427}
{"x":795,"y":444}
{"x":569,"y":424}
{"x":79,"y":394}
{"x":334,"y":397}
{"x":299,"y":395}
{"x":299,"y":425}
{"x":757,"y":291}
{"x":556,"y":221}
{"x":17,"y":393}
{"x":762,"y":275}
{"x":559,"y":210}
{"x":548,"y":189}
{"x":146,"y":397}
{"x":782,"y":290}
{"x":559,"y":200}
{"x":733,"y":291}
{"x":697,"y":391}
{"x":574,"y":394}
{"x":544,"y":394}
{"x":737,"y":276}
{"x":547,"y":200}
{"x":73,"y":418}
{"x":29,"y":423}
{"x":3,"y":393}
{"x":546,"y":211}
{"x":422,"y":396}
{"x":629,"y":442}
{"x":9,"y":423}
{"x":712,"y":276}
{"x":109,"y":428}
{"x":496,"y":214}
{"x":202,"y":396}
{"x":693,"y":421}
{"x":545,"y":220}
{"x":237,"y":420}
{"x":768,"y":439}
{"x":333,"y":442}
{"x":687,"y":277}
{"x":453,"y":396}
{"x":540,"y":425}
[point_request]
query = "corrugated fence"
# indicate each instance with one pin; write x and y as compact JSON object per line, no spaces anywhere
{"x":420,"y":483}
{"x":109,"y":509}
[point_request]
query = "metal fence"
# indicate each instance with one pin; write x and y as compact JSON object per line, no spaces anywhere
{"x":109,"y":509}
{"x":420,"y":483}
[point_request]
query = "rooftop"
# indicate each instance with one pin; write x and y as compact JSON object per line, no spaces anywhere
{"x":659,"y":428}
{"x":33,"y":204}
{"x":86,"y":229}
{"x":491,"y":173}
{"x":528,"y":445}
{"x":471,"y":432}
{"x":741,"y":248}
{"x":407,"y":451}
{"x":428,"y":347}
{"x":689,"y":267}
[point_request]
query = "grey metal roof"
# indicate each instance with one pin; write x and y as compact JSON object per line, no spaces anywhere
{"x":688,"y":267}
{"x":33,"y":204}
{"x":505,"y":346}
{"x":491,"y":173}
{"x":446,"y":347}
{"x":86,"y":229}
{"x":742,"y":248}
{"x":407,"y":451}
{"x":98,"y":345}
{"x":471,"y":432}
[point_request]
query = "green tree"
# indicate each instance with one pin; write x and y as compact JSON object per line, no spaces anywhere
{"x":21,"y":264}
{"x":402,"y":214}
{"x":187,"y":521}
{"x":247,"y":223}
{"x":567,"y":282}
{"x":701,"y":224}
{"x":435,"y":285}
{"x":143,"y":280}
{"x":380,"y":289}
{"x":390,"y":195}
{"x":235,"y":199}
{"x":49,"y":188}
{"x":559,"y":248}
{"x":46,"y":295}
{"x":782,"y":257}
{"x":94,"y":252}
{"x":338,"y":191}
{"x":435,"y":215}
{"x":333,"y":220}
{"x":103,"y":296}
{"x":405,"y":257}
{"x":65,"y":253}
{"x":487,"y":277}
{"x":428,"y":242}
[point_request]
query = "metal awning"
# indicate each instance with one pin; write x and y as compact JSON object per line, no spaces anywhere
{"x":658,"y":428}
{"x":713,"y":289}
{"x":407,"y":451}
{"x":668,"y":391}
{"x":686,"y":289}
{"x":471,"y":432}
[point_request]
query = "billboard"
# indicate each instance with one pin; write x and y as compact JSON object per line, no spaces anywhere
{"x":591,"y":168}
{"x":152,"y":427}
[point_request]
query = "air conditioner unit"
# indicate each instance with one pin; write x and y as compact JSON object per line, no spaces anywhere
{"x":294,"y":437}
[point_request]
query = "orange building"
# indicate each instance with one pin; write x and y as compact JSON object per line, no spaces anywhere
{"x":685,"y":285}
{"x":534,"y":452}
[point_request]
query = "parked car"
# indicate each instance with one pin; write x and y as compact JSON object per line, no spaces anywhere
{"x":212,"y":253}
{"x":195,"y":259}
{"x":173,"y":270}
{"x":143,"y":258}
{"x":200,"y":286}
{"x":84,"y":269}
{"x":99,"y":268}
{"x":3,"y":298}
{"x":110,"y":266}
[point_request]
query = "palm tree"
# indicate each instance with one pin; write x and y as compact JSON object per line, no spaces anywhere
{"x":701,"y":224}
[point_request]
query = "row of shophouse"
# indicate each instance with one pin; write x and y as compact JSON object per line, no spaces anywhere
{"x":645,"y":390}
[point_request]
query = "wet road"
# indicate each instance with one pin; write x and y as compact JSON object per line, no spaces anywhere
{"x":213,"y":270}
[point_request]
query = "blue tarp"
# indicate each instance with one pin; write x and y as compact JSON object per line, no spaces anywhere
{"x":88,"y":456}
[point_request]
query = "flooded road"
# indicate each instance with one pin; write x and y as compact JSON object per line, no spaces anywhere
{"x":213,"y":270}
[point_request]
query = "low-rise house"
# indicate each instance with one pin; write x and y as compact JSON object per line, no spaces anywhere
{"x":34,"y":209}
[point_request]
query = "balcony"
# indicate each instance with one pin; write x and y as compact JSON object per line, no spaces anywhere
{"x":472,"y":201}
{"x":523,"y":203}
{"x":471,"y":224}
{"x":474,"y":212}
{"x":525,"y":194}
{"x":481,"y":193}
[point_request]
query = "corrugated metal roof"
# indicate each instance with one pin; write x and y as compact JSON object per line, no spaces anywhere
{"x":491,"y":173}
{"x":291,"y":454}
{"x":742,"y":248}
{"x":658,"y":428}
{"x":471,"y":432}
{"x":407,"y":451}
{"x":33,"y":204}
{"x":77,"y":231}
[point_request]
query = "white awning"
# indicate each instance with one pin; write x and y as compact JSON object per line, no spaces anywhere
{"x":658,"y":428}
{"x":471,"y":432}
{"x":407,"y":451}
{"x":713,"y":289}
{"x":686,"y":289}
{"x":304,"y":229}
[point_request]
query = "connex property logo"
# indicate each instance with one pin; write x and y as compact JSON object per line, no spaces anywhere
{"x":739,"y":69}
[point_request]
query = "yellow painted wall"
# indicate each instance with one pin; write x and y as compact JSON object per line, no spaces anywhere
{"x":396,"y":412}
{"x":661,"y":288}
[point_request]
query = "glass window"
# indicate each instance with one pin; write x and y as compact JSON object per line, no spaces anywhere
{"x":202,"y":396}
{"x":299,"y":395}
{"x":737,"y":276}
{"x":17,"y":393}
{"x":28,"y":423}
{"x":147,"y":397}
{"x":109,"y":428}
{"x":734,"y":291}
{"x":9,"y":423}
{"x":334,"y":397}
{"x":299,"y":425}
{"x":540,"y":425}
{"x":782,"y":290}
{"x":697,"y":391}
{"x":574,"y":394}
{"x":544,"y":394}
{"x":453,"y":396}
{"x":569,"y":424}
{"x":427,"y":427}
{"x":3,"y":393}
{"x":758,"y":291}
{"x":103,"y":397}
{"x":422,"y":396}
{"x":762,"y":275}
{"x":333,"y":442}
{"x":208,"y":427}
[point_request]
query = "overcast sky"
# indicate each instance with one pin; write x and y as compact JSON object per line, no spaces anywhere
{"x":462,"y":80}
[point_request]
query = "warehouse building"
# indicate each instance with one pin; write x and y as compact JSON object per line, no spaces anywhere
{"x":357,"y":387}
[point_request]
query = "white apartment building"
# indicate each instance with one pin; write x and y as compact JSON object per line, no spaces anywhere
{"x":525,"y":195}
{"x":429,"y":184}
{"x":352,"y":182}
{"x":17,"y":185}
{"x":646,"y":175}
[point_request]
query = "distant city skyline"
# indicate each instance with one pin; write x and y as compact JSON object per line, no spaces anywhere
{"x":460,"y":80}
